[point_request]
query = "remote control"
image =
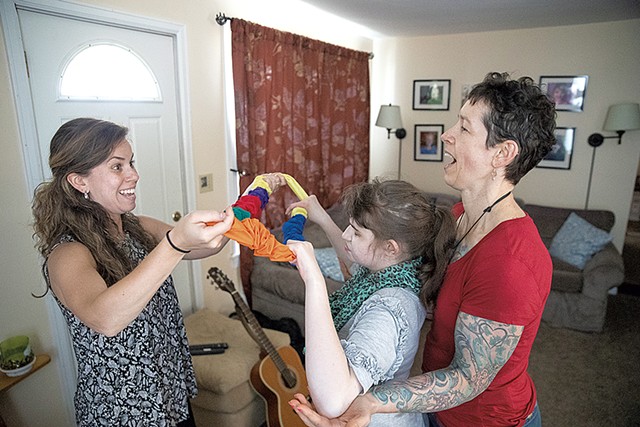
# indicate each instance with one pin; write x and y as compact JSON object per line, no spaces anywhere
{"x":204,"y":349}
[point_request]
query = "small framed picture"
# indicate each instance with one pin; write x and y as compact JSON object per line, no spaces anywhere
{"x":560,"y":155}
{"x":428,"y":145}
{"x":567,"y":92}
{"x":431,"y":94}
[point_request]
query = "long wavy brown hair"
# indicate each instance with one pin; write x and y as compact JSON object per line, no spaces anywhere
{"x":398,"y":210}
{"x":60,"y":210}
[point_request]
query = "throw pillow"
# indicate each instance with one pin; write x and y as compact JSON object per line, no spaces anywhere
{"x":577,"y":241}
{"x":329,"y":263}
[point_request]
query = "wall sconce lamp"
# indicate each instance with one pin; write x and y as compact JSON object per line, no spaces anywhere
{"x":620,"y":118}
{"x":389,"y":118}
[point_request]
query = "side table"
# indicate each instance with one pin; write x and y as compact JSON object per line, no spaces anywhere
{"x":8,"y":382}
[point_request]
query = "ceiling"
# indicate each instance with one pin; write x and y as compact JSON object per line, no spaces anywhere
{"x":412,"y":18}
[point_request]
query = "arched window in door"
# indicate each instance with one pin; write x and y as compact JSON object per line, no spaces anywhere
{"x":107,"y":72}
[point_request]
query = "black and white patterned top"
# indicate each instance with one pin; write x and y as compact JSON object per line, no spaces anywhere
{"x":143,"y":376}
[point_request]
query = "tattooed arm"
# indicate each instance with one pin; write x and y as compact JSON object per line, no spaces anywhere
{"x":482,"y":348}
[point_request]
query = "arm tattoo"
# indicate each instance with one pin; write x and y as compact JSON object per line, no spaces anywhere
{"x":482,"y":348}
{"x":460,"y":251}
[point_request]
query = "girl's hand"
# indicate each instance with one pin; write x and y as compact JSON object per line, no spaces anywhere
{"x":315,"y":211}
{"x":305,"y":260}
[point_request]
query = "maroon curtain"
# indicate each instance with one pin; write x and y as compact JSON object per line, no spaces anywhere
{"x":302,"y":108}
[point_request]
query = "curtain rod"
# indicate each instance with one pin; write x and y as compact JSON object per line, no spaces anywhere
{"x":222,"y":19}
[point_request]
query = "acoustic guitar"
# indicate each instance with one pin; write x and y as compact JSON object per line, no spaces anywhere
{"x":278,"y":375}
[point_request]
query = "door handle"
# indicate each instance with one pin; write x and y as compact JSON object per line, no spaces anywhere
{"x":176,"y":216}
{"x":241,"y":172}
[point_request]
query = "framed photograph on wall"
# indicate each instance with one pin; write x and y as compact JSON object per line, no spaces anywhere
{"x":567,"y":92}
{"x":560,"y":155}
{"x":431,"y":94}
{"x":428,"y":145}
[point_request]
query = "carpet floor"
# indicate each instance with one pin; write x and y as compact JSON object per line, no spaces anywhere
{"x":591,"y":379}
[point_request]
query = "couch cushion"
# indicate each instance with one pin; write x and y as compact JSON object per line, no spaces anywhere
{"x":329,"y":263}
{"x":313,"y":232}
{"x":221,"y":373}
{"x":550,"y":219}
{"x":577,"y":241}
{"x":566,"y":277}
{"x":229,"y":402}
{"x":283,"y":280}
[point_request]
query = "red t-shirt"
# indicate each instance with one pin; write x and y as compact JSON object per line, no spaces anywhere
{"x":506,"y":277}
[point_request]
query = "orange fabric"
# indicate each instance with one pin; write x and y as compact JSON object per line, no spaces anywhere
{"x":251,"y":233}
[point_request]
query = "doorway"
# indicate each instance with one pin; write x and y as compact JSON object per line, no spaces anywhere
{"x":45,"y":35}
{"x":631,"y":248}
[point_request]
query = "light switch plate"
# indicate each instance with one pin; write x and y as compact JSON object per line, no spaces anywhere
{"x":205,"y":183}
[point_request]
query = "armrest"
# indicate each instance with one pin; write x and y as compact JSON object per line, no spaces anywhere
{"x":283,"y":280}
{"x":605,"y":270}
{"x":585,"y":311}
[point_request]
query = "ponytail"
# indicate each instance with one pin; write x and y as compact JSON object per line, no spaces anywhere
{"x":438,"y":252}
{"x":400,"y":211}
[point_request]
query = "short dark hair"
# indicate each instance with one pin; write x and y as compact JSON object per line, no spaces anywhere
{"x":517,"y":110}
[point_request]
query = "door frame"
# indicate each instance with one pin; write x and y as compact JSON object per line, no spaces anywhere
{"x":33,"y":167}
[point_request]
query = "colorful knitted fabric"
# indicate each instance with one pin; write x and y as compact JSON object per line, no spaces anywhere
{"x":250,"y":232}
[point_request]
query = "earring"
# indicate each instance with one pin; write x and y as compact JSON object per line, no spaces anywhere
{"x":493,"y":175}
{"x":86,"y":195}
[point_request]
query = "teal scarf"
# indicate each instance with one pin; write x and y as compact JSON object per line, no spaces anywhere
{"x":346,"y":301}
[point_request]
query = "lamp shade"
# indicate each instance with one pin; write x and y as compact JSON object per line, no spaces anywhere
{"x":623,"y":117}
{"x":389,"y":117}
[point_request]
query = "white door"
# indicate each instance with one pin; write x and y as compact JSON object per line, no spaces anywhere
{"x":50,"y":42}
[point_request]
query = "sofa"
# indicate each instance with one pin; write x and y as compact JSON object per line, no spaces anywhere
{"x":225,"y":396}
{"x":578,"y":298}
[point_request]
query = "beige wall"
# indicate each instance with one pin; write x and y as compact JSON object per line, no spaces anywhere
{"x":608,"y":53}
{"x":19,"y":276}
{"x":464,"y":59}
{"x":37,"y":401}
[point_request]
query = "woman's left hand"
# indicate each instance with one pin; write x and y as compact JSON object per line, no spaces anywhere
{"x":307,"y":413}
{"x":202,"y":229}
{"x":355,"y":416}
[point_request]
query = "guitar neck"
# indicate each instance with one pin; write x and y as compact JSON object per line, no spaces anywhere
{"x":257,"y":332}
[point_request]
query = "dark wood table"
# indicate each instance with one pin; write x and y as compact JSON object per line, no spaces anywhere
{"x":7,"y":382}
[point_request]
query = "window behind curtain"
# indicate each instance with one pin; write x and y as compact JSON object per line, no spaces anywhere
{"x":302,"y":108}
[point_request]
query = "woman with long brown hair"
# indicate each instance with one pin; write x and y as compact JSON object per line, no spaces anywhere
{"x":110,"y":273}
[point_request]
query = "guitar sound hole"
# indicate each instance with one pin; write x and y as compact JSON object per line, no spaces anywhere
{"x":289,"y":378}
